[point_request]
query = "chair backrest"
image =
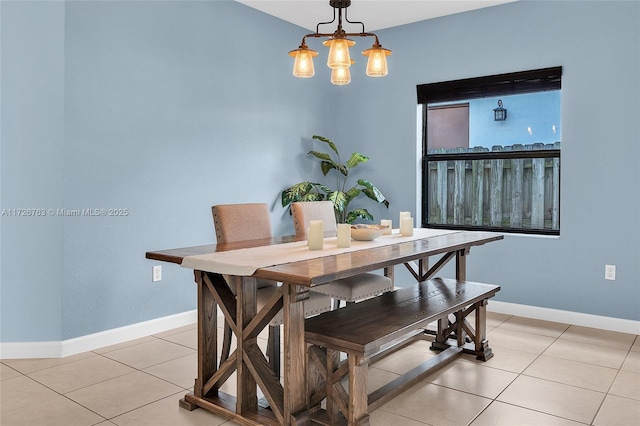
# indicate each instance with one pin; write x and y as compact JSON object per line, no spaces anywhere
{"x":241,"y":222}
{"x":303,"y":212}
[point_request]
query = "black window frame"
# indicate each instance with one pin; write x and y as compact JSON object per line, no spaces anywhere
{"x":539,"y":80}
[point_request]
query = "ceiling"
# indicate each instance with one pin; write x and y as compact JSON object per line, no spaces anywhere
{"x":376,"y":14}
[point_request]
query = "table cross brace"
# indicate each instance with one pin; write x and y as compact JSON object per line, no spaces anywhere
{"x":218,"y":292}
{"x":421,"y":275}
{"x":464,"y":333}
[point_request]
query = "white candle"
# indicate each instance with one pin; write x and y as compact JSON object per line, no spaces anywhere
{"x":315,"y":234}
{"x":406,"y":226}
{"x":344,"y":235}
{"x":402,"y":216}
{"x":389,"y":224}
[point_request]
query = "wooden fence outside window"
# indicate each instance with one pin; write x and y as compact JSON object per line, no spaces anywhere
{"x":507,"y":188}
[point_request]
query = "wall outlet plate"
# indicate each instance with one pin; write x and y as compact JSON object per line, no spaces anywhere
{"x":610,"y":272}
{"x":157,"y":273}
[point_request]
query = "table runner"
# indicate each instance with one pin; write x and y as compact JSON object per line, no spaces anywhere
{"x":244,"y":262}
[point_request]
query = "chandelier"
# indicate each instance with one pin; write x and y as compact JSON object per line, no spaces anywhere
{"x":339,"y":59}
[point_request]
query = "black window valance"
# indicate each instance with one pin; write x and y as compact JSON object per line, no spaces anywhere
{"x":494,"y":85}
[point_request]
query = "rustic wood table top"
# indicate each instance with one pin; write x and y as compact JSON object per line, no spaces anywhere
{"x":325,"y":268}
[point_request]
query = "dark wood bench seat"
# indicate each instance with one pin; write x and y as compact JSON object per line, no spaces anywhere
{"x":378,"y":325}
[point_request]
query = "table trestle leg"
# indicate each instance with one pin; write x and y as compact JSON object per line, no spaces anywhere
{"x":247,"y":399}
{"x":295,"y":365}
{"x":207,"y":333}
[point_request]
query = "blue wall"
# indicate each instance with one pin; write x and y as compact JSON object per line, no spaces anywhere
{"x":598,"y":45}
{"x":141,"y":106}
{"x":137,"y":105}
{"x":32,"y":172}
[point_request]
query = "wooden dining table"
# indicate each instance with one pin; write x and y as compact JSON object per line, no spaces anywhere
{"x":285,"y":400}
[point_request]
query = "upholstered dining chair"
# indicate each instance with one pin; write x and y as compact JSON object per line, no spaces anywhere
{"x":350,"y":289}
{"x":244,"y":222}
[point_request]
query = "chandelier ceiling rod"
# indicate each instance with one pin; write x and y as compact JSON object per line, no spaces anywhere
{"x":339,"y":5}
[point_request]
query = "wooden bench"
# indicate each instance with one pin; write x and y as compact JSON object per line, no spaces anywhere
{"x":375,"y":327}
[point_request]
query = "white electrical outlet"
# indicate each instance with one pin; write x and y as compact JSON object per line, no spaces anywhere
{"x":610,"y":272}
{"x":157,"y":273}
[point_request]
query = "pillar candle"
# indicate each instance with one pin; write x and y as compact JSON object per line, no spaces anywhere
{"x":315,"y":234}
{"x":404,"y":214}
{"x":389,"y":223}
{"x":344,"y":235}
{"x":406,"y":226}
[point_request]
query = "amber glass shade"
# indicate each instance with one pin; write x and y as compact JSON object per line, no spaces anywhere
{"x":303,"y":62}
{"x":339,"y":56}
{"x":377,"y":62}
{"x":341,"y":76}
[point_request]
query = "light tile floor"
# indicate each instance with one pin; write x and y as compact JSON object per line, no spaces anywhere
{"x":543,"y":373}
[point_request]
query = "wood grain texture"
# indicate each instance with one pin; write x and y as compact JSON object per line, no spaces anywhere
{"x":247,"y":400}
{"x":329,"y":268}
{"x":176,"y":255}
{"x":370,"y":328}
{"x":207,"y":335}
{"x":363,"y":328}
{"x":266,"y":379}
{"x":295,"y":359}
{"x":289,"y":404}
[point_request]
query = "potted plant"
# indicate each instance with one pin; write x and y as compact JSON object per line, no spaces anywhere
{"x":342,"y":195}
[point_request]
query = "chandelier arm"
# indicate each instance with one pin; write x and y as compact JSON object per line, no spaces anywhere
{"x":376,"y":43}
{"x":346,"y":18}
{"x":362,"y":35}
{"x":326,"y":23}
{"x":317,"y":35}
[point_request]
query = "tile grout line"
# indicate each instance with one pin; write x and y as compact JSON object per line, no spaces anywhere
{"x":559,"y":337}
{"x":629,"y":352}
{"x":522,"y":374}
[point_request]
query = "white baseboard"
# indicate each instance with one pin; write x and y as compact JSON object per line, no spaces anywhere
{"x":147,"y":328}
{"x":97,"y":340}
{"x":566,"y":317}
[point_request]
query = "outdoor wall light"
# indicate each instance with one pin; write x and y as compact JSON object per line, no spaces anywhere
{"x":339,"y":59}
{"x":499,"y":114}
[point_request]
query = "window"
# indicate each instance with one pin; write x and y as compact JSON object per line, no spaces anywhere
{"x":492,"y":170}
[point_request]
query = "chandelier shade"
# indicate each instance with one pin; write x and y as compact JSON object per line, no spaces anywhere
{"x":303,"y":62}
{"x":377,"y":62}
{"x":340,"y":76}
{"x":339,"y":58}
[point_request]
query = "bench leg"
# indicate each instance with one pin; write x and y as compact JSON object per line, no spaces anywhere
{"x":442,"y":335}
{"x":340,"y":404}
{"x":358,"y":397}
{"x":483,"y":351}
{"x":460,"y":329}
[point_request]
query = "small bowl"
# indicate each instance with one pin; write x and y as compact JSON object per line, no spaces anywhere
{"x":367,"y":232}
